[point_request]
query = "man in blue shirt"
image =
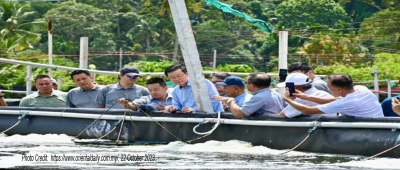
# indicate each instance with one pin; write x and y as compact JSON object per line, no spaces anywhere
{"x":157,"y":100}
{"x":125,"y":88}
{"x":234,"y":87}
{"x":264,"y":100}
{"x":387,"y":106}
{"x":183,"y":98}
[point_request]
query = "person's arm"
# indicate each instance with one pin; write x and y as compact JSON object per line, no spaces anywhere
{"x":314,"y":99}
{"x":24,"y":102}
{"x":396,"y":105}
{"x":282,"y":114}
{"x":212,"y":90}
{"x":2,"y":101}
{"x":303,"y":108}
{"x":101,"y":98}
{"x":235,"y":109}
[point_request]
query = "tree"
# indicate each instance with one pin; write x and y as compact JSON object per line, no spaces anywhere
{"x":302,"y":13}
{"x":74,"y":20}
{"x":145,"y":29}
{"x":380,"y":32}
{"x":16,"y":34}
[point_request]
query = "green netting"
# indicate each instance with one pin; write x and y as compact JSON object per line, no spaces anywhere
{"x":228,"y":9}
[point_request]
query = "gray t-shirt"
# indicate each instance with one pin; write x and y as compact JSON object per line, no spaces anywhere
{"x":109,"y":95}
{"x":320,"y":84}
{"x":80,"y":98}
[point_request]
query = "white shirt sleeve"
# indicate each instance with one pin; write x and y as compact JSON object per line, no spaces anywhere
{"x":291,"y":112}
{"x":332,"y":107}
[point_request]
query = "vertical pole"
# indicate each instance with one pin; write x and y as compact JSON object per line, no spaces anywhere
{"x":190,"y":54}
{"x":50,"y":47}
{"x":175,"y":57}
{"x":283,"y":52}
{"x":120,"y":58}
{"x":215,"y":60}
{"x":28,"y":80}
{"x":389,"y":87}
{"x":94,"y":77}
{"x":59,"y":81}
{"x":84,"y":53}
{"x":376,"y":83}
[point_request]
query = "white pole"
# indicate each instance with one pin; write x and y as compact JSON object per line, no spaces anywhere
{"x":50,"y":50}
{"x":59,"y":81}
{"x":175,"y":57}
{"x":190,"y":54}
{"x":215,"y":60}
{"x":376,"y":83}
{"x":28,"y":80}
{"x":283,"y":51}
{"x":84,"y":53}
{"x":120,"y":58}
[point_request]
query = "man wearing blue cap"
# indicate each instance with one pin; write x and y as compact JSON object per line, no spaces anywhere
{"x":234,"y":87}
{"x":125,"y":88}
{"x":264,"y":100}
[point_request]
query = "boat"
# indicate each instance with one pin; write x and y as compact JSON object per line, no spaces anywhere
{"x":337,"y":135}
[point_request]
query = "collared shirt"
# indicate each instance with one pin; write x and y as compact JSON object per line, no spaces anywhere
{"x":243,"y":98}
{"x":292,"y":112}
{"x":387,"y":108}
{"x":320,"y":84}
{"x":81,"y":98}
{"x":264,"y":101}
{"x":149,"y":103}
{"x":183,"y":97}
{"x":109,"y":95}
{"x":361,"y":103}
{"x":56,"y":99}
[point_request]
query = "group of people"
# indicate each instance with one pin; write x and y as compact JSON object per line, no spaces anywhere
{"x":337,"y":96}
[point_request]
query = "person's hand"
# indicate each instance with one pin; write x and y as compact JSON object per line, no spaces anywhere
{"x":160,"y":107}
{"x":220,"y":98}
{"x":123,"y":102}
{"x":300,"y":95}
{"x":187,"y":110}
{"x":287,"y":96}
{"x":396,"y":105}
{"x":169,"y":109}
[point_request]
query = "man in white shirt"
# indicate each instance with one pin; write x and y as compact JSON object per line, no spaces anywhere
{"x":303,"y":84}
{"x":352,"y":100}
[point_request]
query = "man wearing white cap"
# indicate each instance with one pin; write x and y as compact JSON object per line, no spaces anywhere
{"x":350,"y":100}
{"x":303,"y":84}
{"x":55,"y":85}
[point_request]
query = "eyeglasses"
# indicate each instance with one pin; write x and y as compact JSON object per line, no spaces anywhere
{"x":177,"y":77}
{"x":215,"y":82}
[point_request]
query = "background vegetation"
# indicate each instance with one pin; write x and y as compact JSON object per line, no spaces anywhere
{"x":334,"y":36}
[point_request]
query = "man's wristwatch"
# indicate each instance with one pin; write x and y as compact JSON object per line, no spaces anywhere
{"x":229,"y":101}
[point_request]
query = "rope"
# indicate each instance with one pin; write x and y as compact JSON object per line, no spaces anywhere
{"x":106,"y":133}
{"x":120,"y":129}
{"x":140,"y":109}
{"x":19,"y":121}
{"x":310,"y":132}
{"x":387,"y":150}
{"x":11,"y":127}
{"x":228,"y":9}
{"x":95,"y":120}
{"x":211,"y":131}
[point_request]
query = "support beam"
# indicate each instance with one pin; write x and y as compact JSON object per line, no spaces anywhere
{"x":190,"y":54}
{"x":84,"y":53}
{"x":50,"y":47}
{"x":28,"y":80}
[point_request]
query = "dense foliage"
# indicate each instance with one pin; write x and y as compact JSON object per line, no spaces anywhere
{"x":334,"y":36}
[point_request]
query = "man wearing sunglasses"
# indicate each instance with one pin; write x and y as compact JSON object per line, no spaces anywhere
{"x":125,"y":88}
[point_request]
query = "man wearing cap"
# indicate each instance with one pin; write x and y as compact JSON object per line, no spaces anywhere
{"x":264,"y":101}
{"x":303,"y":84}
{"x":351,"y":100}
{"x":125,"y":88}
{"x":83,"y":96}
{"x":46,"y":96}
{"x":55,"y":85}
{"x":234,"y":87}
{"x":300,"y":67}
{"x":219,"y":77}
